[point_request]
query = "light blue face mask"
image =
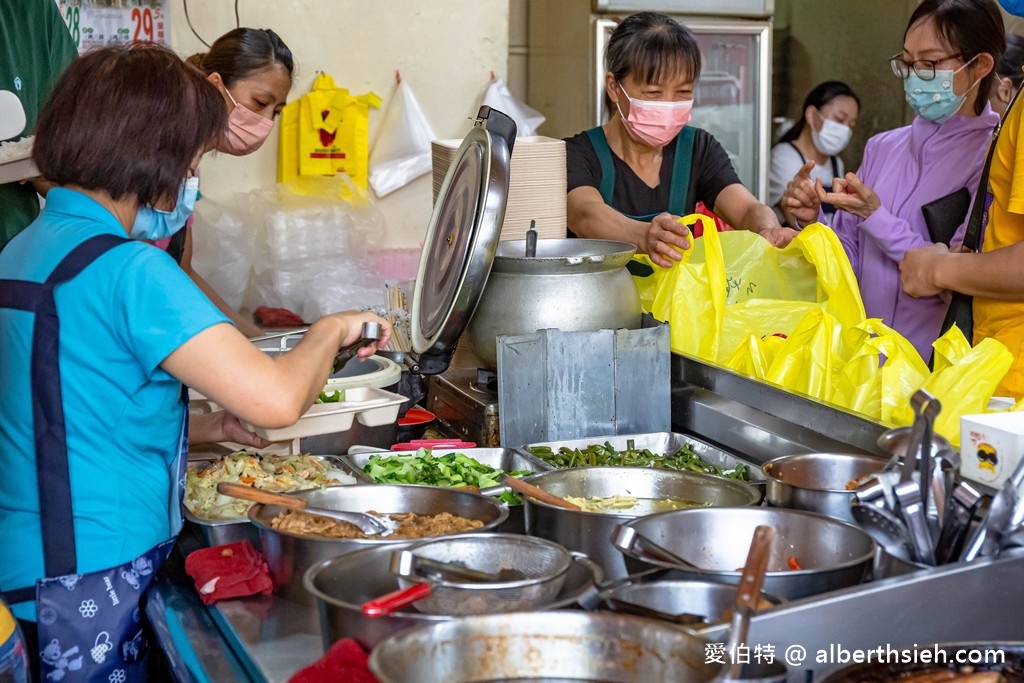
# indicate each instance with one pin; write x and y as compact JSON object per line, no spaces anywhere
{"x":935,"y":99}
{"x":153,"y":224}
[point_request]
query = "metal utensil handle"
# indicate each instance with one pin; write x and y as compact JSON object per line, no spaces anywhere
{"x":395,"y":600}
{"x":409,"y":565}
{"x":634,"y":544}
{"x":260,"y":496}
{"x":748,"y":593}
{"x":913,"y":513}
{"x":537,"y":493}
{"x":369,"y":334}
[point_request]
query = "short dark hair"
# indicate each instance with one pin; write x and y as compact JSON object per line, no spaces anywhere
{"x":971,"y":27}
{"x":127,"y":121}
{"x":820,"y":95}
{"x":242,"y":52}
{"x":1013,"y":59}
{"x":651,"y":46}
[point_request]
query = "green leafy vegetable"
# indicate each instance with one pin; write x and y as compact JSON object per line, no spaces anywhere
{"x":684,"y":459}
{"x":451,"y":470}
{"x":331,"y":396}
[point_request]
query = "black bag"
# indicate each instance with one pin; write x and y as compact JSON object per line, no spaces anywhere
{"x":944,"y":215}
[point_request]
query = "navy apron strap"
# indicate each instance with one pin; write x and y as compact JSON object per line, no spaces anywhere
{"x":835,"y":167}
{"x":680,"y":188}
{"x":52,"y":475}
{"x":604,"y":157}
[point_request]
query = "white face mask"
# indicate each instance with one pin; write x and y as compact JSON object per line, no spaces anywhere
{"x":832,"y":138}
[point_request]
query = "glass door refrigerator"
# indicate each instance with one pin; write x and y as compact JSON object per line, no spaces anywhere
{"x":732,"y":100}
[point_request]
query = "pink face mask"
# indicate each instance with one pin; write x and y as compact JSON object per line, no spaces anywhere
{"x":655,"y":123}
{"x":246,"y":131}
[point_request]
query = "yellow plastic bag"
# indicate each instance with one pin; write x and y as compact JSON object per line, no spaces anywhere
{"x":326,"y":132}
{"x":949,"y":348}
{"x":964,"y":387}
{"x":810,"y":359}
{"x":688,"y":295}
{"x":754,"y":356}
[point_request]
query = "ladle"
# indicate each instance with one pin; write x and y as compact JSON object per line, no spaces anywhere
{"x":636,"y":545}
{"x":368,"y":524}
{"x":883,"y":526}
{"x":537,"y":493}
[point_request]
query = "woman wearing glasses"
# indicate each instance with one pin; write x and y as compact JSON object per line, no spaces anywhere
{"x":915,"y":183}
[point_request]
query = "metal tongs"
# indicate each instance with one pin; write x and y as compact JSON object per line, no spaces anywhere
{"x":370,"y":334}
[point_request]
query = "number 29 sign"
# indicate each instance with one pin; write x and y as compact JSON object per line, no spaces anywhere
{"x":95,"y":23}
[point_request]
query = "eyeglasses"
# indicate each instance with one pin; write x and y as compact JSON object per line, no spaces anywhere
{"x":924,"y":68}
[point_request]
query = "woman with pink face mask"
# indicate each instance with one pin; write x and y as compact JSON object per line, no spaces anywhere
{"x":252,"y":68}
{"x":631,"y":178}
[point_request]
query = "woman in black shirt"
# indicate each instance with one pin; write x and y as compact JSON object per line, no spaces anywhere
{"x":632,"y":177}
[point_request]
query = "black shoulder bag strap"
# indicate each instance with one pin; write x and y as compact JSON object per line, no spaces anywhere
{"x":961,"y":306}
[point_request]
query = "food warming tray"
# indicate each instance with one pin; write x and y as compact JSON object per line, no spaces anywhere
{"x":656,"y":442}
{"x":507,"y":459}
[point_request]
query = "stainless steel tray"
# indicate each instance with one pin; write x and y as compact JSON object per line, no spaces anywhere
{"x":507,"y":459}
{"x":221,"y":531}
{"x":656,"y":442}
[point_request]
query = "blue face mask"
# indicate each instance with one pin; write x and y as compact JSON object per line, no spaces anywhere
{"x":935,"y":99}
{"x":153,"y":224}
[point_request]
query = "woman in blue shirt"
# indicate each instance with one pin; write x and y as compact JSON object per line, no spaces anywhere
{"x":99,"y":333}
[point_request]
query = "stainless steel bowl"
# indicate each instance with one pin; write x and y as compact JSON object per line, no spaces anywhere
{"x":543,"y":646}
{"x":818,"y":482}
{"x":588,"y":532}
{"x":342,"y":584}
{"x":709,"y":599}
{"x":289,"y":555}
{"x":831,"y":554}
{"x":894,"y":442}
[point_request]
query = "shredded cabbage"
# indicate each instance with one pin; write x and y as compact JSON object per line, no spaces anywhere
{"x":276,"y":473}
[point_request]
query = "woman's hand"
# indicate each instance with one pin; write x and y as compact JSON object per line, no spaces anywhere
{"x":800,"y":203}
{"x":778,"y":237}
{"x":850,"y":195}
{"x":919,"y":267}
{"x":353,"y":330}
{"x":221,"y":426}
{"x":664,"y":238}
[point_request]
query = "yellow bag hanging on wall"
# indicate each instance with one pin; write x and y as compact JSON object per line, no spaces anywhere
{"x":329,"y":129}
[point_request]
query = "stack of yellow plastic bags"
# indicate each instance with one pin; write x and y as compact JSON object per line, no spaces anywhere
{"x":793,"y":317}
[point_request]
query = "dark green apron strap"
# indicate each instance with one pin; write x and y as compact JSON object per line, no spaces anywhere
{"x":681,"y":172}
{"x":604,"y":157}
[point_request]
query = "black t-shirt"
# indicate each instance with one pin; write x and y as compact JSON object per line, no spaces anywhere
{"x":710,"y":173}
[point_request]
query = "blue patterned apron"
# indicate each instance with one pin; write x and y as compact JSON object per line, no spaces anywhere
{"x":90,"y":625}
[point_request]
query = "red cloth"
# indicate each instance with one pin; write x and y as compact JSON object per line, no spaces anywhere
{"x":233,"y":570}
{"x":344,"y":661}
{"x":266,"y":316}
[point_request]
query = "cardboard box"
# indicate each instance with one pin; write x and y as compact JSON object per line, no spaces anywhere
{"x":991,"y":445}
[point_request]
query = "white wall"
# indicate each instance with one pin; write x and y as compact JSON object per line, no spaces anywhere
{"x":445,"y":49}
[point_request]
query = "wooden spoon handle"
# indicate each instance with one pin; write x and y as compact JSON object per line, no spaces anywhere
{"x":537,"y":493}
{"x":259,"y":496}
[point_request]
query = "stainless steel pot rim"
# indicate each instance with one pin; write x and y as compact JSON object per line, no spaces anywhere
{"x":803,"y":456}
{"x":685,"y":583}
{"x":309,"y":582}
{"x":736,"y":485}
{"x":484,"y":537}
{"x":831,"y":521}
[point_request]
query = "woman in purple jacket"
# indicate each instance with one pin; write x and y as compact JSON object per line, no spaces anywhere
{"x":915,"y":183}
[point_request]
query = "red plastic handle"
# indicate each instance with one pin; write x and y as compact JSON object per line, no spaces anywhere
{"x":395,"y":600}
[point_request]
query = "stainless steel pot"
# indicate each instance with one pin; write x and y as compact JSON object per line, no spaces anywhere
{"x":709,"y":599}
{"x":543,"y":646}
{"x":289,"y":555}
{"x":342,"y":584}
{"x":571,"y":284}
{"x":589,"y":532}
{"x":831,"y":554}
{"x":817,"y":482}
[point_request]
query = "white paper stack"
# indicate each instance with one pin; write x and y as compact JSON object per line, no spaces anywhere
{"x":536,"y":185}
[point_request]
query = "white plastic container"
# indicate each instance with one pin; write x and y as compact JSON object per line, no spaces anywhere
{"x":991,"y":445}
{"x":371,"y":406}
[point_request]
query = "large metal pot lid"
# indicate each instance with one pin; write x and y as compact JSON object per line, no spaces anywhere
{"x":461,"y":240}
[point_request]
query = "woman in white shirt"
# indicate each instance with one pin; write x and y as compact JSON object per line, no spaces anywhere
{"x":829,"y":114}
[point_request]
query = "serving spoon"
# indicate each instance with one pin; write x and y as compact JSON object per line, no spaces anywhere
{"x":370,"y":525}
